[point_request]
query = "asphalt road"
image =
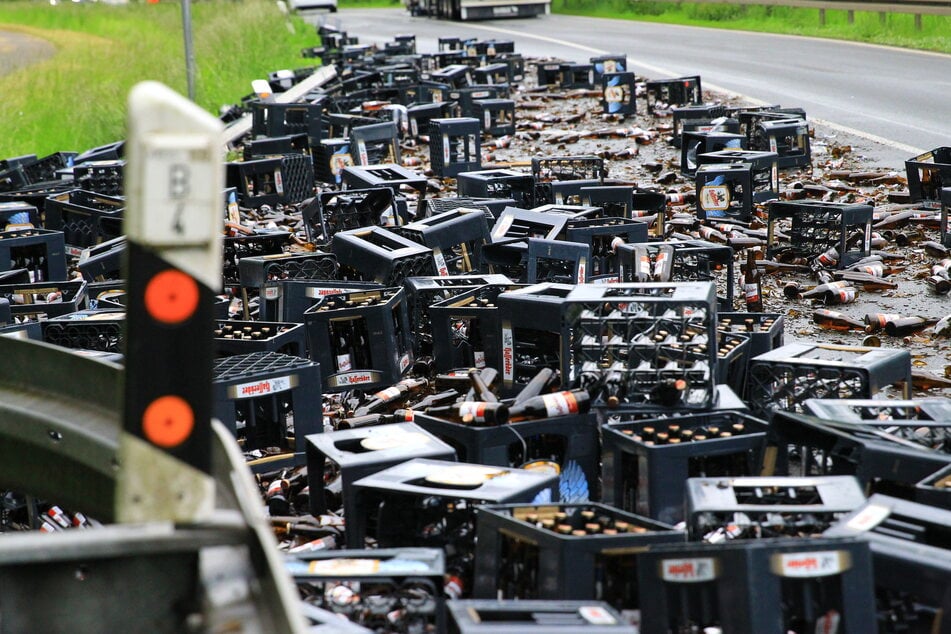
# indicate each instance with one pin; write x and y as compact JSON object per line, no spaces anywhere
{"x":18,"y":50}
{"x":890,"y":102}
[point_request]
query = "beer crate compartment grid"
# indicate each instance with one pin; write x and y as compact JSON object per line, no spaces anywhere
{"x":361,"y":339}
{"x":380,"y":255}
{"x":41,"y":251}
{"x":403,"y":583}
{"x":497,"y":116}
{"x":733,"y":358}
{"x":769,"y":586}
{"x":456,"y":238}
{"x":236,"y":248}
{"x":102,"y":177}
{"x":651,"y":344}
{"x":645,"y":477}
{"x":287,"y":300}
{"x":396,"y":504}
{"x":725,"y":190}
{"x":282,"y":180}
{"x":888,"y":456}
{"x":500,"y":183}
{"x":911,"y":560}
{"x":100,"y":330}
{"x":349,"y":209}
{"x":679,"y":91}
{"x":85,"y":218}
{"x":519,"y":557}
{"x":241,"y":337}
{"x":36,"y":301}
{"x":257,"y":272}
{"x":690,"y":261}
{"x":489,"y":616}
{"x":268,"y":399}
{"x":599,"y":234}
{"x":466,"y":328}
{"x":783,"y":379}
{"x":815,"y":227}
{"x":765,"y":330}
{"x":362,"y":451}
{"x":570,"y":441}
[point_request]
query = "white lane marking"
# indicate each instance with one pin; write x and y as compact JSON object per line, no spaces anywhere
{"x":669,"y":73}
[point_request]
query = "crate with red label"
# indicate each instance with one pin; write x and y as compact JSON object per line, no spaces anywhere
{"x":259,"y":273}
{"x":361,"y":339}
{"x":888,"y":456}
{"x":557,"y":261}
{"x":604,"y":236}
{"x":646,"y":463}
{"x":772,"y":586}
{"x":784,"y":378}
{"x":270,"y":402}
{"x":335,"y":211}
{"x":85,"y":218}
{"x":647,"y":346}
{"x":335,"y":460}
{"x":719,"y":509}
{"x":814,"y":227}
{"x":485,"y":616}
{"x":357,"y":589}
{"x":455,"y":145}
{"x":911,"y":559}
{"x":565,"y":442}
{"x":466,"y":328}
{"x":375,"y":144}
{"x":564,"y":551}
{"x":287,"y":300}
{"x":456,"y":238}
{"x":241,"y":337}
{"x":379,"y":255}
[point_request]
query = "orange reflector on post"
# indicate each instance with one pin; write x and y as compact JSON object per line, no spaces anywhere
{"x":171,"y":296}
{"x":168,"y":421}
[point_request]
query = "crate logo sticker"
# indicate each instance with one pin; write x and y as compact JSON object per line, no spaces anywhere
{"x":596,"y":615}
{"x":810,"y":564}
{"x":869,"y":517}
{"x":362,"y":152}
{"x":508,"y":354}
{"x":694,"y":570}
{"x":263,"y":387}
{"x":354,"y":378}
{"x":441,"y":269}
{"x":445,"y":149}
{"x":582,"y":274}
{"x":715,"y":197}
{"x":317,"y":293}
{"x":272,"y":292}
{"x":404,"y":362}
{"x":488,"y":119}
{"x":279,"y":181}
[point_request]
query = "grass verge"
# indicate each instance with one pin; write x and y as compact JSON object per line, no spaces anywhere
{"x":897,"y":29}
{"x":76,"y":99}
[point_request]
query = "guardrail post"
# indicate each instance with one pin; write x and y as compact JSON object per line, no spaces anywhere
{"x":882,"y":17}
{"x":822,"y":17}
{"x":851,"y":16}
{"x":917,"y":21}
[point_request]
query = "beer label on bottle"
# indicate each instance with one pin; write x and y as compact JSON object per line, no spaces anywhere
{"x":810,"y":564}
{"x":478,"y":358}
{"x":388,"y":394}
{"x":560,"y":404}
{"x":695,"y":570}
{"x":442,"y":270}
{"x":474,"y":409}
{"x":715,"y":197}
{"x":272,"y":292}
{"x":845,"y":295}
{"x":343,"y":363}
{"x":751,"y":291}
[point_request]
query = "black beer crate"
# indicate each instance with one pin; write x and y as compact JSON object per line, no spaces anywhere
{"x":455,"y":146}
{"x":269,"y":400}
{"x":271,"y":119}
{"x":911,"y":561}
{"x":37,"y":301}
{"x":18,"y":213}
{"x":41,"y":251}
{"x":568,"y":168}
{"x":420,"y":114}
{"x":888,"y":456}
{"x":642,"y":346}
{"x":495,"y":74}
{"x":287,"y":300}
{"x":680,"y":91}
{"x":375,"y":144}
{"x":330,"y":156}
{"x":361,"y":339}
{"x":396,"y":505}
{"x":575,"y":76}
{"x":85,"y":218}
{"x":788,"y":138}
{"x":557,"y":261}
{"x":356,"y":453}
{"x":928,"y":174}
{"x":693,"y":143}
{"x":242,"y":337}
{"x":376,"y":254}
{"x":549,"y":73}
{"x":492,"y":207}
{"x":102,"y":261}
{"x":100,"y":330}
{"x":349,"y":209}
{"x":257,"y":272}
{"x":764,"y":170}
{"x":520,"y":554}
{"x":497,"y":116}
{"x":946,"y":216}
{"x":770,"y":586}
{"x":102,"y":177}
{"x":500,"y":183}
{"x":282,"y":180}
{"x":456,"y":238}
{"x":784,"y":378}
{"x":466,"y":329}
{"x":647,"y":474}
{"x":698,"y":118}
{"x":534,"y":617}
{"x":815,"y":227}
{"x":935,"y":490}
{"x":730,"y":507}
{"x":600,"y":235}
{"x":391,"y":175}
{"x":723,"y":191}
{"x":765,"y":330}
{"x":570,"y":441}
{"x":401,"y":587}
{"x":276,"y":146}
{"x":237,"y":248}
{"x":607,"y":64}
{"x":619,"y":94}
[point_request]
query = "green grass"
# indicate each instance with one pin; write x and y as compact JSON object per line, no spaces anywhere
{"x":76,"y":99}
{"x":369,"y":4}
{"x":897,"y":30}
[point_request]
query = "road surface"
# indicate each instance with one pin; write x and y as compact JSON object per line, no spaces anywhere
{"x":892,"y":102}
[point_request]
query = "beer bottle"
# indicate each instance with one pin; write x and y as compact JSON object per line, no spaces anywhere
{"x":479,"y":388}
{"x":834,"y":320}
{"x":876,"y":321}
{"x":390,"y":396}
{"x":908,"y":326}
{"x":562,"y":403}
{"x":475,"y":413}
{"x":752,"y":284}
